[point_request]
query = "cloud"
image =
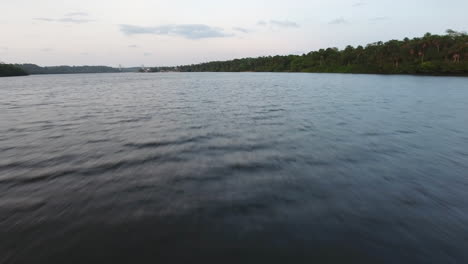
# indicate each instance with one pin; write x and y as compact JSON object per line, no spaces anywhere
{"x":47,"y":49}
{"x":147,"y":54}
{"x":65,"y":20}
{"x":132,"y":46}
{"x":189,"y":31}
{"x":278,"y":23}
{"x":377,"y":19}
{"x":74,"y":20}
{"x":285,"y":24}
{"x":77,"y":14}
{"x":337,"y":21}
{"x":240,"y":29}
{"x":359,"y":4}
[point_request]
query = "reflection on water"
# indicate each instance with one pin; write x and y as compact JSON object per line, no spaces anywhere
{"x":277,"y":168}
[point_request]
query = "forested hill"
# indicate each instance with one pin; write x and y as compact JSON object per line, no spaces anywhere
{"x":7,"y":70}
{"x":431,"y":54}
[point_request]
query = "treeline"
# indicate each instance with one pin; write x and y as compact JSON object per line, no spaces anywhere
{"x":431,"y":54}
{"x":7,"y":70}
{"x":35,"y":69}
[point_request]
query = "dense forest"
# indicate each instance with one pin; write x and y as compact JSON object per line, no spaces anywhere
{"x":7,"y":70}
{"x":431,"y":54}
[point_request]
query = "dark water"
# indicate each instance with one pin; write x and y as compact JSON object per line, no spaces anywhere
{"x":233,"y":168}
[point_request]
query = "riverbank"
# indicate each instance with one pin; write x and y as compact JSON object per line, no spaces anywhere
{"x":9,"y":70}
{"x":435,"y":55}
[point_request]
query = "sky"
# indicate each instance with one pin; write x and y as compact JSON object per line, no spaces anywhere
{"x":179,"y":32}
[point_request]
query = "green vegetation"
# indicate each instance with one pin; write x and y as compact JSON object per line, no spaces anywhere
{"x":431,"y":55}
{"x":35,"y":69}
{"x":11,"y":70}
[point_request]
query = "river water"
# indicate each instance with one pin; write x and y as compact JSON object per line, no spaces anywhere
{"x":233,"y":168}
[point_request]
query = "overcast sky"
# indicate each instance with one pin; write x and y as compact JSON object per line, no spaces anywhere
{"x":174,"y":32}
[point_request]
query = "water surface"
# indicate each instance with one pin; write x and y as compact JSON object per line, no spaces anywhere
{"x":233,"y":167}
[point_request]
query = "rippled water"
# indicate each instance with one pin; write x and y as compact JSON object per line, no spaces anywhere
{"x":233,"y":167}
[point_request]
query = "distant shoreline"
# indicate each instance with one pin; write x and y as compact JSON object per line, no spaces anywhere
{"x":431,"y":55}
{"x":10,"y":70}
{"x":346,"y":73}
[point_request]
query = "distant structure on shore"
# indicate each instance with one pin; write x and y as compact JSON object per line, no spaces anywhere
{"x":144,"y":69}
{"x":160,"y":69}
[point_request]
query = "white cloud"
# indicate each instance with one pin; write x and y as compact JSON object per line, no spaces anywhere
{"x":189,"y":31}
{"x":74,"y":20}
{"x":278,"y":23}
{"x":285,"y":24}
